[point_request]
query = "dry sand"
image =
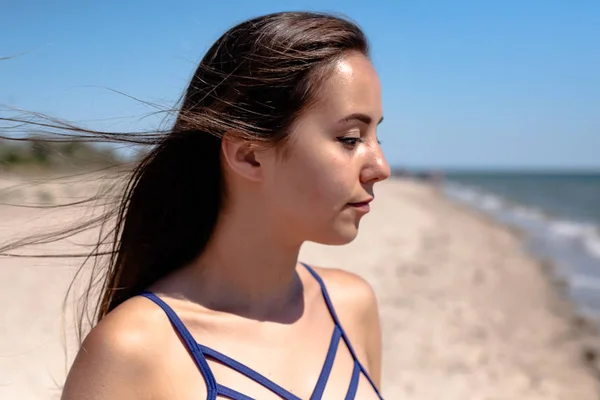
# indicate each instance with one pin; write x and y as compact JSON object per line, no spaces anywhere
{"x":466,"y":313}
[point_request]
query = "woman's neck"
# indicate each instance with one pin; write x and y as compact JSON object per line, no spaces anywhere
{"x":248,"y":268}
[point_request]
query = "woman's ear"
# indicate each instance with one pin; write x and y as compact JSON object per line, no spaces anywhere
{"x":242,"y":157}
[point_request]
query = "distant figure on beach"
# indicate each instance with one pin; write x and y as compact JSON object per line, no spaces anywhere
{"x":275,"y":144}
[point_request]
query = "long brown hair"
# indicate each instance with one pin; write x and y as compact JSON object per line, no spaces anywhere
{"x":252,"y":84}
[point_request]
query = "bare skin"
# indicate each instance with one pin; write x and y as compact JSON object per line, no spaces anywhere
{"x":247,"y":296}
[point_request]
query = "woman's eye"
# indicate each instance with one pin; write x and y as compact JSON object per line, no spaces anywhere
{"x":349,"y":141}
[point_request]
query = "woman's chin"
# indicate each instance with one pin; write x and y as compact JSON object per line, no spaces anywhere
{"x":338,"y":236}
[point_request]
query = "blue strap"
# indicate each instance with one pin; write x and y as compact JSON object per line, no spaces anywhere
{"x":337,"y":322}
{"x":192,"y":345}
{"x":326,"y":370}
{"x":353,"y":382}
{"x":224,"y":391}
{"x":242,"y":369}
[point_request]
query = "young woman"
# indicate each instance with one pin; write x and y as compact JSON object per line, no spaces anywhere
{"x":275,"y":144}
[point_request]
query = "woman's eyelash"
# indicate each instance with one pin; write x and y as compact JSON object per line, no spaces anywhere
{"x":352,"y":141}
{"x":349,"y":141}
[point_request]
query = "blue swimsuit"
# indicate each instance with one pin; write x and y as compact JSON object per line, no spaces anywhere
{"x":200,"y":353}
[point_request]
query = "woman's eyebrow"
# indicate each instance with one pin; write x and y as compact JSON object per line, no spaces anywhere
{"x":360,"y":117}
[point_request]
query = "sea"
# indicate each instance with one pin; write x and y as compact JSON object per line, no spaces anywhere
{"x":559,"y":212}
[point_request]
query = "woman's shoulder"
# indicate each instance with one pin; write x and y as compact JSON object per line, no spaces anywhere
{"x":348,"y":290}
{"x":118,"y":357}
{"x":135,"y":323}
{"x":356,"y":306}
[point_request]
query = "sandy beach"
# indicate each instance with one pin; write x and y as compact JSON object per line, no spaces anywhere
{"x":466,"y":313}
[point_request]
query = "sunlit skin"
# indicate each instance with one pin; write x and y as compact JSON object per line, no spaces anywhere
{"x":246,"y":295}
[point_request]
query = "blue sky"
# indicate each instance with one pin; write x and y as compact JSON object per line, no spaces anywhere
{"x":485,"y":84}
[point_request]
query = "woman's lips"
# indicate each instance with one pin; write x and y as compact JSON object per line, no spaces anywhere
{"x":361,"y":206}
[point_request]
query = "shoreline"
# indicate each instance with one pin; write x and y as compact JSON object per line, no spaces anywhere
{"x":585,"y":329}
{"x":584,"y":332}
{"x":466,"y":311}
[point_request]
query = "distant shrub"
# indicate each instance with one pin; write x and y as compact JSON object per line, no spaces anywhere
{"x":41,"y":153}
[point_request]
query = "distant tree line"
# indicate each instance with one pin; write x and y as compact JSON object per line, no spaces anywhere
{"x":37,"y":152}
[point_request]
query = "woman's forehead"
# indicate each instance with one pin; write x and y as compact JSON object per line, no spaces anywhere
{"x":353,"y":87}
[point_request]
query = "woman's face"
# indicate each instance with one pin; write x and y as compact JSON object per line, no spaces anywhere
{"x":321,"y":190}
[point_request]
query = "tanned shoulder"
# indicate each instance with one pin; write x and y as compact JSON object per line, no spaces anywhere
{"x":356,"y":305}
{"x":115,"y":360}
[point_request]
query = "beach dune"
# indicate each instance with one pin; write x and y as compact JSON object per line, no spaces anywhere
{"x":466,"y":312}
